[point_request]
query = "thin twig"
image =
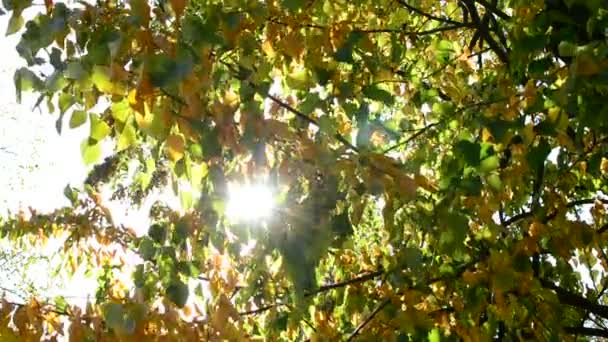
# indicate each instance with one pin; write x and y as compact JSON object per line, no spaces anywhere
{"x":495,"y":10}
{"x":356,"y":280}
{"x":308,"y":119}
{"x":572,"y":204}
{"x":485,"y":34}
{"x":369,"y":318}
{"x":414,"y":136}
{"x":429,"y":16}
{"x":453,"y":26}
{"x":260,"y":310}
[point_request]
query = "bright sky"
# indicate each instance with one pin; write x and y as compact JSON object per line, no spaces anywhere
{"x":36,"y":163}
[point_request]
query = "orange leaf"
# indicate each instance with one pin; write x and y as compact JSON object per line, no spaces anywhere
{"x":49,"y":5}
{"x":175,"y":145}
{"x":293,"y":45}
{"x":178,"y":7}
{"x":141,"y":9}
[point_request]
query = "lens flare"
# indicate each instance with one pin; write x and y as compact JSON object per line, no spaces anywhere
{"x":249,"y":202}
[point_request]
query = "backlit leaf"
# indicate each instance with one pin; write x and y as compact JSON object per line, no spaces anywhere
{"x":90,"y":151}
{"x":99,"y":129}
{"x":127,"y":137}
{"x":175,"y":145}
{"x":78,"y":118}
{"x":15,"y":23}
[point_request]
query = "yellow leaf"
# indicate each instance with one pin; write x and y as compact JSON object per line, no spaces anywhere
{"x":135,"y":101}
{"x":486,"y":135}
{"x":175,"y":145}
{"x":268,"y":49}
{"x":424,"y":183}
{"x":604,"y":166}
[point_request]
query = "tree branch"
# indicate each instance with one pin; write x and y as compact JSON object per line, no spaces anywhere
{"x":415,"y":33}
{"x":586,"y":331}
{"x":321,"y":289}
{"x":369,"y":318}
{"x":414,"y":136}
{"x":485,"y":33}
{"x":260,"y":310}
{"x":310,"y":120}
{"x":603,"y":229}
{"x":429,"y":16}
{"x":453,"y":26}
{"x":576,"y":300}
{"x":572,"y":204}
{"x":356,"y":280}
{"x":495,"y":10}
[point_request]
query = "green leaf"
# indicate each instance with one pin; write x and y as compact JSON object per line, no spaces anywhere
{"x":444,"y":51}
{"x":453,"y":236}
{"x":61,"y":304}
{"x":293,"y":5}
{"x":101,"y":78}
{"x":537,"y":155}
{"x":158,"y":233}
{"x":26,"y":80}
{"x":489,"y":164}
{"x":375,"y":93}
{"x":341,"y":226}
{"x":75,"y":71}
{"x":121,"y":110}
{"x":495,"y":182}
{"x":198,"y":32}
{"x":471,"y":185}
{"x":56,"y":82}
{"x":78,"y":118}
{"x":469,"y":152}
{"x":566,"y":49}
{"x":113,"y":314}
{"x":71,"y":194}
{"x":327,"y":125}
{"x":15,"y":23}
{"x":99,"y":129}
{"x":147,"y":250}
{"x":434,"y":335}
{"x":66,"y":100}
{"x":139,"y":277}
{"x":186,"y":198}
{"x":300,"y":80}
{"x":181,"y":232}
{"x":345,"y":53}
{"x":90,"y":151}
{"x":165,"y":71}
{"x":177,"y":292}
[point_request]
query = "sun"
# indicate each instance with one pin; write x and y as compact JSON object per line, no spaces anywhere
{"x":249,"y":202}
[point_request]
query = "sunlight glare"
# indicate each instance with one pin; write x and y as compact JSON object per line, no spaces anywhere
{"x":250,"y":202}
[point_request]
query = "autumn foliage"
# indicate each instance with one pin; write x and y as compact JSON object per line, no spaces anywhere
{"x":439,"y":168}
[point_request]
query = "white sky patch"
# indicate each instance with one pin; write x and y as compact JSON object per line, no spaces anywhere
{"x":36,"y":163}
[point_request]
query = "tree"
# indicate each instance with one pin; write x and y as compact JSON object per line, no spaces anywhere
{"x":440,"y":167}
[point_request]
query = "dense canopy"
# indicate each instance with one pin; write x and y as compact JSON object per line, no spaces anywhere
{"x":438,"y":168}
